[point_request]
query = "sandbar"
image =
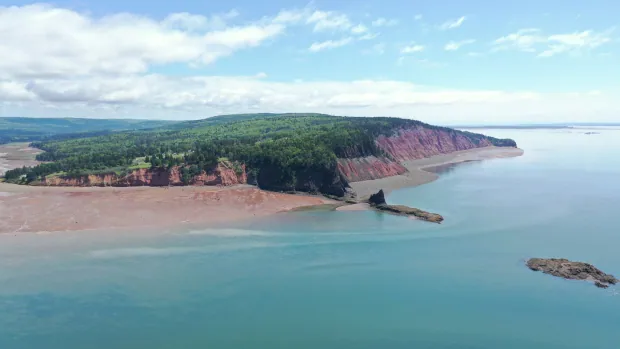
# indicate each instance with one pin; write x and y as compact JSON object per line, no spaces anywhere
{"x":14,"y":155}
{"x":52,"y":209}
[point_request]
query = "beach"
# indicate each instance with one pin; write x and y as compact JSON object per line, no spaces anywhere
{"x":46,"y":209}
{"x":420,"y":171}
{"x":14,"y":155}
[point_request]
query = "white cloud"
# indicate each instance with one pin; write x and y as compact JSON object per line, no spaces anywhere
{"x":455,"y":45}
{"x":368,"y":36}
{"x":61,"y":42}
{"x":359,"y":29}
{"x":292,"y":16}
{"x":329,"y":21}
{"x":534,"y":41}
{"x":59,"y":62}
{"x":523,"y":40}
{"x":326,"y":21}
{"x":199,"y":96}
{"x":382,"y":22}
{"x":329,"y":44}
{"x":453,"y":23}
{"x":198,"y":91}
{"x":417,"y":17}
{"x":575,"y":42}
{"x":191,"y":22}
{"x":412,"y":48}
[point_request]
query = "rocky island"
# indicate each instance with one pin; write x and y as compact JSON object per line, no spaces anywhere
{"x":572,"y":271}
{"x":377,"y":201}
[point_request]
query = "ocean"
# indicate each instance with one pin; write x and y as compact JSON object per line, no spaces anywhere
{"x":325,"y":279}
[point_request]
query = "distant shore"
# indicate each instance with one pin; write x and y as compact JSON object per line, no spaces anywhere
{"x":418,"y":173}
{"x":14,"y":155}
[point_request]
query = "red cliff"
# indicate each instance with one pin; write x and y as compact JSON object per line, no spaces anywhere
{"x":223,"y":174}
{"x":406,"y":144}
{"x":420,"y":142}
{"x":369,"y":167}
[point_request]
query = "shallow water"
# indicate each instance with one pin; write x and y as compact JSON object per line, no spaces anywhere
{"x":317,"y":279}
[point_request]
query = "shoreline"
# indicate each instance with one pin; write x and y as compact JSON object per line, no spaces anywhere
{"x":418,"y":173}
{"x":14,"y":155}
{"x":25,"y":209}
{"x":46,"y":209}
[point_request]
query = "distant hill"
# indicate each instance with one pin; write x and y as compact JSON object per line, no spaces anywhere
{"x":284,"y":152}
{"x":538,"y":126}
{"x":19,"y":129}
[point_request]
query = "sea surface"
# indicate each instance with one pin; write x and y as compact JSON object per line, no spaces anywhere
{"x":321,"y":279}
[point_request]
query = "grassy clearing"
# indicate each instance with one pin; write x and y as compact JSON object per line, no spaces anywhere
{"x":57,"y":174}
{"x":139,"y":166}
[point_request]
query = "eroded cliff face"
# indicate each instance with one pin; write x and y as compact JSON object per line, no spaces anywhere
{"x":369,"y":167}
{"x":402,"y":145}
{"x":223,"y":174}
{"x":419,"y":142}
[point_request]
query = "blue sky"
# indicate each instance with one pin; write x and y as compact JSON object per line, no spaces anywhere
{"x":439,"y":61}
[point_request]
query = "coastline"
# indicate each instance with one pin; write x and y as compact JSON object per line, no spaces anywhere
{"x":25,"y":209}
{"x":418,"y":173}
{"x":37,"y":209}
{"x":14,"y":155}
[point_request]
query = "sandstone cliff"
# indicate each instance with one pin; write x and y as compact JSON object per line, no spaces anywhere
{"x":369,"y":167}
{"x":419,"y":142}
{"x":408,"y":144}
{"x":223,"y":174}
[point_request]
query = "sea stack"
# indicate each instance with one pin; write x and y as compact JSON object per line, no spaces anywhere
{"x":377,"y":198}
{"x":377,"y":201}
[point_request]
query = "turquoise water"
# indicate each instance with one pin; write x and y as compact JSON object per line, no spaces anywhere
{"x":347,"y":279}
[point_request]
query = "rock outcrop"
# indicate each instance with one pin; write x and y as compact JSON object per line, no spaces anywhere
{"x":223,"y":174}
{"x":377,"y":201}
{"x":420,"y":142}
{"x":377,"y":198}
{"x":572,"y":271}
{"x":409,"y":144}
{"x":369,"y":167}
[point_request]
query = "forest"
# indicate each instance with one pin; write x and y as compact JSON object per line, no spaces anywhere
{"x":19,"y":129}
{"x":286,"y":144}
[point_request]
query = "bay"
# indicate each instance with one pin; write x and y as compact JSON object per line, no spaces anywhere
{"x":326,"y":279}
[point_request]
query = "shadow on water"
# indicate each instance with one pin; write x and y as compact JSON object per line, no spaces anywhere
{"x":447,"y":168}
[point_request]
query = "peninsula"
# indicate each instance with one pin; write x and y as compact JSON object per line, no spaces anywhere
{"x":342,"y":158}
{"x":313,"y":153}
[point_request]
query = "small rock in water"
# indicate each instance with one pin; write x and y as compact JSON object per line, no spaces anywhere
{"x":566,"y":269}
{"x":600,"y":284}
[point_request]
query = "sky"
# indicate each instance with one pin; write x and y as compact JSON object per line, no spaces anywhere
{"x":442,"y":62}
